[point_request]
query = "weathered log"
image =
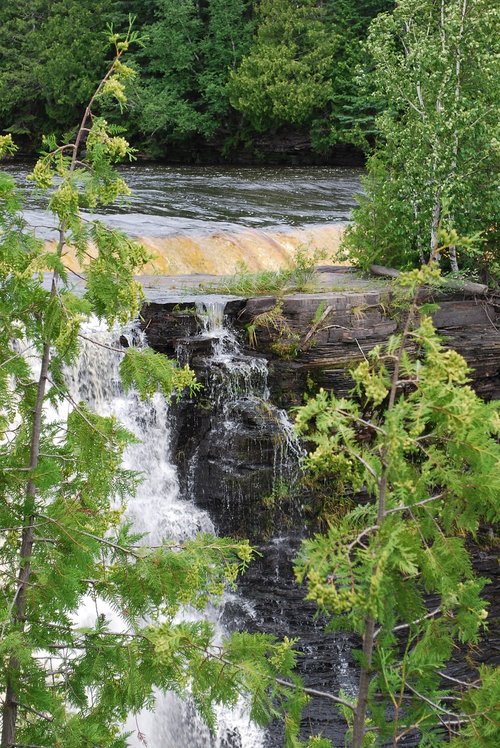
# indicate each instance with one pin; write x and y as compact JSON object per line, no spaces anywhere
{"x":383,"y":271}
{"x":477,"y":289}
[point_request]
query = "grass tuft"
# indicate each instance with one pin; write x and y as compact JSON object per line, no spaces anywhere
{"x":297,"y":278}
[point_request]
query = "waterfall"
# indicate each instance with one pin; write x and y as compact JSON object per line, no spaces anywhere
{"x":157,"y":508}
{"x":223,"y":252}
{"x":233,"y":375}
{"x":245,"y":462}
{"x":243,"y":451}
{"x":159,"y":511}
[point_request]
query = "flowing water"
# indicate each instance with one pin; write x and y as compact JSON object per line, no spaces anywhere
{"x":212,"y":219}
{"x":233,"y":375}
{"x":179,"y":200}
{"x":159,"y":510}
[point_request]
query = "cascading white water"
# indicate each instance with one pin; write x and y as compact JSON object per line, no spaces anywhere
{"x":235,"y":376}
{"x":157,"y":508}
{"x":160,"y":512}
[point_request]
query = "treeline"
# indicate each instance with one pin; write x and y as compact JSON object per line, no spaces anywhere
{"x":221,"y":74}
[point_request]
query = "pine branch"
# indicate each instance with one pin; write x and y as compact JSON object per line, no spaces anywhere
{"x":43,"y":715}
{"x":315,"y":692}
{"x":403,"y":626}
{"x":68,"y":397}
{"x":409,"y":507}
{"x":361,"y":535}
{"x":367,"y":467}
{"x":284,"y":683}
{"x":459,"y":717}
{"x":358,"y":419}
{"x":17,"y":355}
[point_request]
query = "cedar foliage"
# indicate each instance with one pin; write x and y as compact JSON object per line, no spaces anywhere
{"x":63,"y":489}
{"x":425,"y":448}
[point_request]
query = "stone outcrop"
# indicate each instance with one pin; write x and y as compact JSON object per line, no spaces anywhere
{"x":229,"y":438}
{"x":352,"y":324}
{"x":227,"y":454}
{"x":231,"y":446}
{"x":312,"y":340}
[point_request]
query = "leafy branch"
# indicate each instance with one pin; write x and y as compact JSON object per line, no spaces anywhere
{"x":430,"y":468}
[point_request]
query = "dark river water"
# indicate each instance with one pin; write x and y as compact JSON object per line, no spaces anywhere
{"x":171,"y":200}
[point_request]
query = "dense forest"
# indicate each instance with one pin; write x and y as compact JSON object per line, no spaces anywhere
{"x":216,"y":78}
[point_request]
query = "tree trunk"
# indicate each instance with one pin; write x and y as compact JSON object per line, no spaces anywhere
{"x":477,"y":289}
{"x":458,"y":69}
{"x":436,"y":217}
{"x":453,"y":259}
{"x":359,"y":728}
{"x":9,"y":711}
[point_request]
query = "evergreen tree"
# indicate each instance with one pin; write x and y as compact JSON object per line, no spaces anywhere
{"x":50,"y":56}
{"x":285,"y":76}
{"x":226,"y":39}
{"x":349,"y":116}
{"x":425,"y":449}
{"x":170,"y":97}
{"x":63,"y":537}
{"x":20,"y":107}
{"x":185,"y":67}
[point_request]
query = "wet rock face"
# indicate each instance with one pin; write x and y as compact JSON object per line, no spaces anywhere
{"x":278,"y":607}
{"x":232,"y":453}
{"x":229,"y":465}
{"x":331,"y":332}
{"x":165,"y":324}
{"x":232,"y":445}
{"x":315,"y":339}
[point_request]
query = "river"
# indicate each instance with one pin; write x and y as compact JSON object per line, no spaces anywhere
{"x":169,"y":200}
{"x":213,"y":220}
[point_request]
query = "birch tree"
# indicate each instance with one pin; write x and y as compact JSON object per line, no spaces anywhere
{"x":437,"y":66}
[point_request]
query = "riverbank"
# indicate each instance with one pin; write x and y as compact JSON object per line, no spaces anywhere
{"x":288,"y":147}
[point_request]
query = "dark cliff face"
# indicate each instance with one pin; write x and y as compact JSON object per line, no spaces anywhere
{"x":321,"y":355}
{"x":234,"y":460}
{"x":230,"y":445}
